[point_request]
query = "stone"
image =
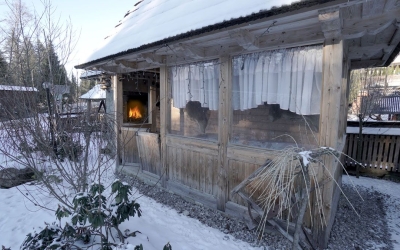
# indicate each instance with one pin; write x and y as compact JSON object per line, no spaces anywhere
{"x":11,"y":177}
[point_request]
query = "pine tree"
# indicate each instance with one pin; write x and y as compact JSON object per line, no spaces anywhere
{"x":3,"y":70}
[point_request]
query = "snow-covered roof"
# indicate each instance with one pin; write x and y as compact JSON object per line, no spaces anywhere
{"x":17,"y":88}
{"x":151,"y":21}
{"x":96,"y":93}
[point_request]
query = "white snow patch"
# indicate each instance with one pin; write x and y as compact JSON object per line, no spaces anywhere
{"x":306,"y":156}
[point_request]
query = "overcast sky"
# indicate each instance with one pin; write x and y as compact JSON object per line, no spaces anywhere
{"x":92,"y":19}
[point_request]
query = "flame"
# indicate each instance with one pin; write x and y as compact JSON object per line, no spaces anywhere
{"x":134,"y":113}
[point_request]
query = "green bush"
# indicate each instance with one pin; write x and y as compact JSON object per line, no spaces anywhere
{"x":92,"y":216}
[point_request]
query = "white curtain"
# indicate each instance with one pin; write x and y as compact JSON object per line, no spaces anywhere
{"x":195,"y":82}
{"x":291,"y":78}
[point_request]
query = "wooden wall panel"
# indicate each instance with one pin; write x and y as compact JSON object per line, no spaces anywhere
{"x":130,"y":151}
{"x":149,"y":152}
{"x":238,"y":171}
{"x":192,"y":168}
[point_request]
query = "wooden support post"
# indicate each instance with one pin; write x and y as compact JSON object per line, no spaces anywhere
{"x":333,"y":97}
{"x":224,"y":127}
{"x":153,"y":108}
{"x":165,"y":121}
{"x":117,"y":94}
{"x":330,"y":136}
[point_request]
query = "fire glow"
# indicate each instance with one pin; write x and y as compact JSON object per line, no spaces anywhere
{"x":134,"y":113}
{"x":136,"y":110}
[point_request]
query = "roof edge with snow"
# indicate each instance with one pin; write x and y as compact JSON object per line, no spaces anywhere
{"x":217,"y":26}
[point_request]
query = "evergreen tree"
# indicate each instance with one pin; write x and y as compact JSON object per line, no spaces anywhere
{"x":3,"y":70}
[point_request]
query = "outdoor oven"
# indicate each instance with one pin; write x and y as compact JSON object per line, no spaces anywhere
{"x":139,"y":97}
{"x":135,"y":105}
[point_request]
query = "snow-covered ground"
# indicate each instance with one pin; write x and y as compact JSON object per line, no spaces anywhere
{"x":159,"y":224}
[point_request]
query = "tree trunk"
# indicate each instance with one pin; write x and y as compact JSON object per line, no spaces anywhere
{"x":360,"y":127}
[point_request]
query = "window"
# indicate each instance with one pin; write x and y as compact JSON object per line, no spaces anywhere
{"x":194,"y":105}
{"x":276,"y":97}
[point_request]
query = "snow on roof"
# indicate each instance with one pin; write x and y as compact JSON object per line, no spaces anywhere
{"x":96,"y":93}
{"x":17,"y":88}
{"x":373,"y":131}
{"x":154,"y":20}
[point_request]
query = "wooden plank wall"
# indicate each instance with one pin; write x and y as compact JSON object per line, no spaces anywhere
{"x":193,"y":163}
{"x":149,"y":152}
{"x":130,"y":151}
{"x":238,"y":171}
{"x":377,"y":151}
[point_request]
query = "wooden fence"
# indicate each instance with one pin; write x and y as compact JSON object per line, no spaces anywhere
{"x":378,"y":151}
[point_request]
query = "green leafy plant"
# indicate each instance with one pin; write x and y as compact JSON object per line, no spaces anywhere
{"x":92,"y":216}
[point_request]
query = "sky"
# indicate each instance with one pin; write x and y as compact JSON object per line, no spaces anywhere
{"x":92,"y":20}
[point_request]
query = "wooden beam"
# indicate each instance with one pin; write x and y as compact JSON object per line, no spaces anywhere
{"x":331,"y":23}
{"x":126,"y":64}
{"x":366,"y":64}
{"x":165,"y":121}
{"x":190,"y":50}
{"x":224,"y":127}
{"x":371,"y":29}
{"x":329,"y":136}
{"x":117,"y":94}
{"x":244,"y":38}
{"x":369,"y":51}
{"x":153,"y":108}
{"x":151,"y":58}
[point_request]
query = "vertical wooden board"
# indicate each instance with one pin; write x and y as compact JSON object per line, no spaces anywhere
{"x":380,"y":152}
{"x":196,"y":170}
{"x":355,"y":148}
{"x":165,"y":121}
{"x":208,"y":180}
{"x":215,"y":175}
{"x":171,"y":162}
{"x":368,"y":148}
{"x":178,"y":168}
{"x":201,"y":176}
{"x":349,"y":142}
{"x":224,"y":129}
{"x":376,"y":148}
{"x":391,"y":153}
{"x":184,"y":166}
{"x":396,"y":158}
{"x":384,"y":159}
{"x":231,"y":173}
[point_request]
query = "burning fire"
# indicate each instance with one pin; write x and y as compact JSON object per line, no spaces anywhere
{"x":136,"y":109}
{"x":134,"y":113}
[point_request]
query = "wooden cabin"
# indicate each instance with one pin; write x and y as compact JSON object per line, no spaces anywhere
{"x":204,"y":92}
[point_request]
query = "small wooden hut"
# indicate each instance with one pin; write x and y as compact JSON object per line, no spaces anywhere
{"x":204,"y":92}
{"x":17,"y":101}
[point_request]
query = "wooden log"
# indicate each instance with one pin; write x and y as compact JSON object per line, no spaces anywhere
{"x":332,"y":96}
{"x":165,"y":121}
{"x":117,"y":94}
{"x":224,"y":127}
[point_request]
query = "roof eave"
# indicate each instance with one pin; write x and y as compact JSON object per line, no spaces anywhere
{"x":236,"y":21}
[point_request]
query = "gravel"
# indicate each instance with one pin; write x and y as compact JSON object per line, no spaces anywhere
{"x":350,"y":231}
